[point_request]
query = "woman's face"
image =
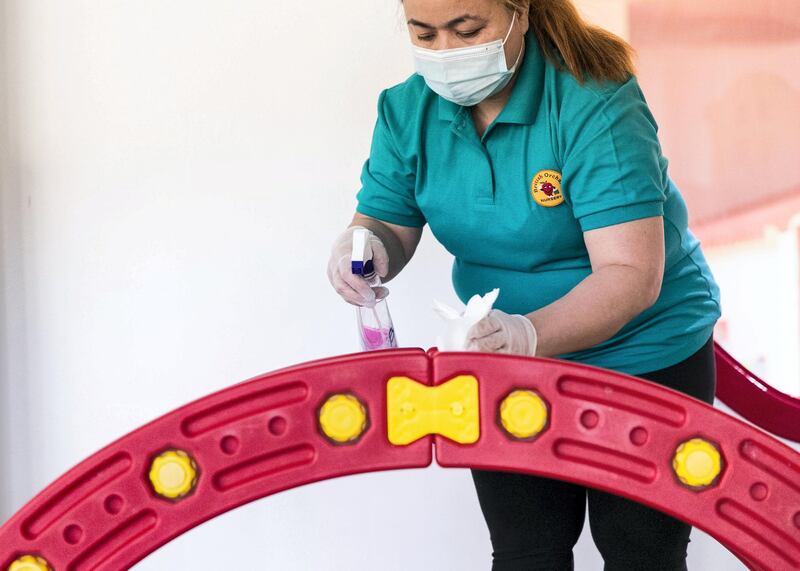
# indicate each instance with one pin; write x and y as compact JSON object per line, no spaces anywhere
{"x":447,"y":24}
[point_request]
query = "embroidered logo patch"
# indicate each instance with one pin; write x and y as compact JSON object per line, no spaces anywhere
{"x":546,"y":188}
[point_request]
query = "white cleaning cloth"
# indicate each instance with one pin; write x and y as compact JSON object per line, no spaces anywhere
{"x":454,"y":337}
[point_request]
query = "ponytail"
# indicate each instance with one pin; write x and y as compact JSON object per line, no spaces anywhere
{"x":570,"y":43}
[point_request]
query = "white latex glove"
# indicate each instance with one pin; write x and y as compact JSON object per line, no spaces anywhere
{"x":500,"y":332}
{"x":353,"y":288}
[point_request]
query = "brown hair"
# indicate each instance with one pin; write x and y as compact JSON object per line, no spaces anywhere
{"x":569,"y":42}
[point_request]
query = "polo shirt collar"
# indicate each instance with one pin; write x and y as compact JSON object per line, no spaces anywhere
{"x":523,"y":104}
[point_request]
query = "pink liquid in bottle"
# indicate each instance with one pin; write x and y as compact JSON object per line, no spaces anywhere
{"x":374,"y":338}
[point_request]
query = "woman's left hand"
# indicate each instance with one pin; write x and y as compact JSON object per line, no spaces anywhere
{"x":500,"y":332}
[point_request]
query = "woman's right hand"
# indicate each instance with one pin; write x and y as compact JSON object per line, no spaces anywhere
{"x":353,"y":288}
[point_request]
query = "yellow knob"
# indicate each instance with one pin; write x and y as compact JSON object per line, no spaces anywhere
{"x":173,"y":474}
{"x":343,"y":418}
{"x":30,"y":563}
{"x":523,"y":413}
{"x":697,"y":462}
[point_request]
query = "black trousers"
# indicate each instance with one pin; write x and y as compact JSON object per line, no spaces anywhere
{"x":535,"y":522}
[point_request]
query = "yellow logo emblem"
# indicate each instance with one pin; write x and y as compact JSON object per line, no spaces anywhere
{"x":546,"y":188}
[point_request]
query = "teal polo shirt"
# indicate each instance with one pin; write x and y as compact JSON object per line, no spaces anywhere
{"x":511,"y":206}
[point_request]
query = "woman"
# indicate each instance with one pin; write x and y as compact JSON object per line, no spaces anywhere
{"x":526,"y":144}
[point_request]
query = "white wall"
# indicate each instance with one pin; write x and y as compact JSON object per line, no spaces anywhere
{"x":176,"y":175}
{"x":759,"y":281}
{"x":5,"y":439}
{"x":14,"y":412}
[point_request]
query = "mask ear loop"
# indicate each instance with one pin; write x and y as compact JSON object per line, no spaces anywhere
{"x":519,"y":57}
{"x":508,"y":34}
{"x":521,"y":49}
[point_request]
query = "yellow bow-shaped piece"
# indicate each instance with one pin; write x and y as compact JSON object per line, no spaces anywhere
{"x":414,"y":410}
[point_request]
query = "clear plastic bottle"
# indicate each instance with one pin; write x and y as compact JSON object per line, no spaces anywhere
{"x":375,"y":328}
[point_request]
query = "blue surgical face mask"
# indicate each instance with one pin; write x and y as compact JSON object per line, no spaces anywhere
{"x":467,"y":76}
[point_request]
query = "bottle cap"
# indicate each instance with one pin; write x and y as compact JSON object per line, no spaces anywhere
{"x":697,"y":462}
{"x":30,"y":563}
{"x":173,"y":474}
{"x":343,"y":418}
{"x":361,"y":256}
{"x":523,"y":414}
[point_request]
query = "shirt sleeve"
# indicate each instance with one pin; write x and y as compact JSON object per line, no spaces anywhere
{"x":613,"y":169}
{"x":388,"y":179}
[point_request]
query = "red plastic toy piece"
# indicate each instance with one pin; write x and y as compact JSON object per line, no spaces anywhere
{"x":329,"y":418}
{"x":754,"y":399}
{"x":620,"y":434}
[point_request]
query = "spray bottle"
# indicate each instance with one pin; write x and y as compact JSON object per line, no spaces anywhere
{"x":375,"y":327}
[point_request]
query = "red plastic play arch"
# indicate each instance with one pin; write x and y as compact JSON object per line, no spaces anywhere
{"x":754,"y":399}
{"x":610,"y":431}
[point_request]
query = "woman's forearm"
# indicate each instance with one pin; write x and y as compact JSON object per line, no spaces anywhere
{"x":592,"y":312}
